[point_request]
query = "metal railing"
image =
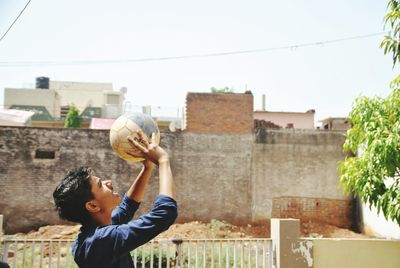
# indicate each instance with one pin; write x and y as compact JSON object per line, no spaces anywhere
{"x":37,"y":253}
{"x":205,"y":253}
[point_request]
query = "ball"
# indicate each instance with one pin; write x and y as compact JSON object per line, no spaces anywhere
{"x":127,"y":125}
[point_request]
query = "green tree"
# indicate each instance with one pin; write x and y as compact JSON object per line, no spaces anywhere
{"x":222,"y":90}
{"x":372,"y":171}
{"x":73,"y":120}
{"x":391,"y":42}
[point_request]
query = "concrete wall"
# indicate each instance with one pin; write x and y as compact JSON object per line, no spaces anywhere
{"x":213,"y":176}
{"x":290,"y":250}
{"x":239,"y":178}
{"x":27,"y":183}
{"x":349,"y":253}
{"x":219,"y":113}
{"x":295,"y":175}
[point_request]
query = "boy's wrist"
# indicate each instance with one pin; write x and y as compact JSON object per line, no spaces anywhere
{"x":163,"y":160}
{"x":148,"y":164}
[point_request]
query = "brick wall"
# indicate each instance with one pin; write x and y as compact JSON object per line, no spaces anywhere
{"x":219,"y":113}
{"x":333,"y":211}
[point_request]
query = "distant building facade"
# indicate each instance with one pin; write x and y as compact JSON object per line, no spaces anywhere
{"x":287,"y":119}
{"x":11,"y":117}
{"x":335,"y":123}
{"x":234,"y":113}
{"x":50,"y":100}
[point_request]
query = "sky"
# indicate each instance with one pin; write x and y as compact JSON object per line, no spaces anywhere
{"x":81,"y":36}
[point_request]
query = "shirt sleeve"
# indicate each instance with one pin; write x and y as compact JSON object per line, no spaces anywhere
{"x":121,"y":239}
{"x":125,"y":211}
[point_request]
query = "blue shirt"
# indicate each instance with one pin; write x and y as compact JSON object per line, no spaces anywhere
{"x":110,"y":246}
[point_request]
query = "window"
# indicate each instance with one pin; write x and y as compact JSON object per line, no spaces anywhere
{"x":64,"y":111}
{"x":112,"y":99}
{"x":45,"y":154}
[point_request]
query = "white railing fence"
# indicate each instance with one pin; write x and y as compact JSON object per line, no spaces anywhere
{"x":205,"y":253}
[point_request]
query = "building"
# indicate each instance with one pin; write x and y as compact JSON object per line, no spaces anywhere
{"x":11,"y":117}
{"x":229,"y":113}
{"x":335,"y":123}
{"x":50,"y":100}
{"x":234,"y":113}
{"x":287,"y":119}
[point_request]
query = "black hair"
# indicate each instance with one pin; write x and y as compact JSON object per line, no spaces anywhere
{"x":71,"y":195}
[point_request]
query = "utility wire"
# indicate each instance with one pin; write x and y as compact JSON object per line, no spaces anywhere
{"x":12,"y":24}
{"x":57,"y":63}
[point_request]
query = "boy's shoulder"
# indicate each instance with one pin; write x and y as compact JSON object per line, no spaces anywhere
{"x":93,"y":244}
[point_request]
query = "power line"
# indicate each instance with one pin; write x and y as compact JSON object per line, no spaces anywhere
{"x":12,"y":24}
{"x":217,"y":54}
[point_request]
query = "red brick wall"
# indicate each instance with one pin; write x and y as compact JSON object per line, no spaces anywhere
{"x":332,"y":211}
{"x":219,"y":113}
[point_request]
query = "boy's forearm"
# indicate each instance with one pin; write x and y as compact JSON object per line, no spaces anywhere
{"x":167,"y":185}
{"x":138,"y":187}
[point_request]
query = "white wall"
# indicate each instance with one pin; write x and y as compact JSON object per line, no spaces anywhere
{"x":377,"y":225}
{"x":81,"y":98}
{"x":59,"y":85}
{"x":38,"y":97}
{"x":299,"y":120}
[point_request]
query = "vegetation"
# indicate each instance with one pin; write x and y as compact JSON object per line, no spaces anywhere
{"x":222,"y":90}
{"x":373,"y":170}
{"x":73,"y":119}
{"x":152,"y":260}
{"x":391,"y":42}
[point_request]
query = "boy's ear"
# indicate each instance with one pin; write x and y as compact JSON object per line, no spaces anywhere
{"x":92,"y":206}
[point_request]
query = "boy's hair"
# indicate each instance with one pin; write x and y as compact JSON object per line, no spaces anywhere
{"x":71,"y":195}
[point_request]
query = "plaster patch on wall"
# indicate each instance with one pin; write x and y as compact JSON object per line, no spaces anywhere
{"x":263,"y":208}
{"x":267,"y":206}
{"x":305,"y":249}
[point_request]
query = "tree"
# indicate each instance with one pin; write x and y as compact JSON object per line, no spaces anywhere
{"x":372,"y":171}
{"x":391,"y":42}
{"x":73,"y":120}
{"x":222,"y":90}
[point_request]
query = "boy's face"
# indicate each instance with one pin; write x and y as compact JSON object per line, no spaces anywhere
{"x":104,"y":195}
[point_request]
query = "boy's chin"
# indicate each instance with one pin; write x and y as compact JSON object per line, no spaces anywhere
{"x":117,"y":199}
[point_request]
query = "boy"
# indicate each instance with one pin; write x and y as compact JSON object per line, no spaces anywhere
{"x":108,"y":235}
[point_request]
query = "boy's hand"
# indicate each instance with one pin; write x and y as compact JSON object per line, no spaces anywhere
{"x":149,"y":150}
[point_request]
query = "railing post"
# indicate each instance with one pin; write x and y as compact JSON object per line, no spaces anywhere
{"x":178,"y":252}
{"x":1,"y":238}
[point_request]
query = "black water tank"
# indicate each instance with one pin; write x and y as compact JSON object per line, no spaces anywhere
{"x":42,"y":82}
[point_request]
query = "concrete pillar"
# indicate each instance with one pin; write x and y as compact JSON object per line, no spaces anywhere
{"x":288,"y":249}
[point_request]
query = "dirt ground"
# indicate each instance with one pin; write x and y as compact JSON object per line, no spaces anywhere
{"x":200,"y":230}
